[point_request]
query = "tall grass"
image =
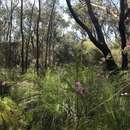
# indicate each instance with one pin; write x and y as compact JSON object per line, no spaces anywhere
{"x":50,"y":102}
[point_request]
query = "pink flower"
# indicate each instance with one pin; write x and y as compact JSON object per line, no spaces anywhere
{"x":128,"y":46}
{"x":80,"y":89}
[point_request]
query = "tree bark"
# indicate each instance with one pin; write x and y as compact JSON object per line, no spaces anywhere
{"x":10,"y":33}
{"x":122,"y":30}
{"x":29,"y":37}
{"x":9,"y":62}
{"x":48,"y":46}
{"x":38,"y":49}
{"x":22,"y":35}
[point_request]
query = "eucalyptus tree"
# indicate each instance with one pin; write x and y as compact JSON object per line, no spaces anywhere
{"x":12,"y":8}
{"x":7,"y":12}
{"x":99,"y":39}
{"x":124,"y":20}
{"x":22,"y":35}
{"x":38,"y":20}
{"x":30,"y":32}
{"x":49,"y":33}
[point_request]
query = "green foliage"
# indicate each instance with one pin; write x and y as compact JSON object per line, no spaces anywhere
{"x":10,"y":115}
{"x":50,"y":102}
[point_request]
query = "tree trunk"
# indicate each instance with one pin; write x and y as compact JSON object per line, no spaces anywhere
{"x":22,"y":35}
{"x":38,"y":49}
{"x":122,"y":30}
{"x":29,"y":37}
{"x":100,"y":42}
{"x":48,"y":46}
{"x":26,"y":58}
{"x":10,"y":38}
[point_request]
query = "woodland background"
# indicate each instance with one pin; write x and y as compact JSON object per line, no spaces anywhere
{"x":47,"y":47}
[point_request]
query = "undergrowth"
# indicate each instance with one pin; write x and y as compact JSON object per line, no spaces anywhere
{"x":49,"y":102}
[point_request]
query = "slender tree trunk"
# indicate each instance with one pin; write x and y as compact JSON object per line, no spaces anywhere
{"x":38,"y":49}
{"x":22,"y":35}
{"x":26,"y":58}
{"x":122,"y":30}
{"x":51,"y":42}
{"x":53,"y":55}
{"x":10,"y":37}
{"x":52,"y":33}
{"x":32,"y":42}
{"x":53,"y":47}
{"x":49,"y":35}
{"x":29,"y":37}
{"x":10,"y":57}
{"x":49,"y":47}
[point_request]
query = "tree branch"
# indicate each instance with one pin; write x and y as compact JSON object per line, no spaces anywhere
{"x":92,"y":38}
{"x":108,"y":10}
{"x":95,"y":22}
